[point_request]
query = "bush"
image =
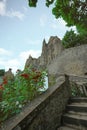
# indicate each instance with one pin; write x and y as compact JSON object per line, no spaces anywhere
{"x":2,"y":72}
{"x":15,"y":94}
{"x":71,"y":39}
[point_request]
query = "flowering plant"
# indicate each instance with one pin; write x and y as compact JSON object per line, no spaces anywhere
{"x":25,"y":86}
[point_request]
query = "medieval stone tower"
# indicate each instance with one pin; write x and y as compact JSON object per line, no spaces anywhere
{"x":50,"y":51}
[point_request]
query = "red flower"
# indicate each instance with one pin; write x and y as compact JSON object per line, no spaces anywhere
{"x":25,"y":76}
{"x":1,"y":87}
{"x":5,"y":80}
{"x":37,"y":76}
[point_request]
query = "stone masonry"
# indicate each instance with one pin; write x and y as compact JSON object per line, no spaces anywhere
{"x":50,"y":51}
{"x":57,"y":60}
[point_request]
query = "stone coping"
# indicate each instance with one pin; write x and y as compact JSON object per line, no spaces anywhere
{"x":72,"y":77}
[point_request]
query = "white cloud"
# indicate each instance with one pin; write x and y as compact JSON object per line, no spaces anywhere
{"x":16,"y":14}
{"x":32,"y":42}
{"x":58,"y":23}
{"x":12,"y":63}
{"x":47,"y":38}
{"x":43,"y":20}
{"x":25,"y":9}
{"x":34,"y":53}
{"x":7,"y":60}
{"x":11,"y":13}
{"x":4,"y":52}
{"x":2,"y":7}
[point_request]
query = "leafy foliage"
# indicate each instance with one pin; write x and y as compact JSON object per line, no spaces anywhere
{"x":75,"y":90}
{"x":32,"y":3}
{"x":72,"y":39}
{"x":2,"y":72}
{"x":15,"y":94}
{"x":74,"y":12}
{"x":49,"y":2}
{"x":69,"y":39}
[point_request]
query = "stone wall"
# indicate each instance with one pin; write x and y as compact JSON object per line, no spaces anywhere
{"x":44,"y":112}
{"x":70,"y":61}
{"x":58,"y":60}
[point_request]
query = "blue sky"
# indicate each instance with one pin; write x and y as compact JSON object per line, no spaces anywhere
{"x":22,"y":30}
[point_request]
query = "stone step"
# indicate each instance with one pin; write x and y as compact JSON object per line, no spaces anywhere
{"x":78,"y":99}
{"x":77,"y":107}
{"x":77,"y":113}
{"x":66,"y":128}
{"x":74,"y":127}
{"x":75,"y":119}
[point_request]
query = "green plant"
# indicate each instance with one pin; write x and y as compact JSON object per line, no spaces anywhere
{"x":73,"y":12}
{"x":16,"y":93}
{"x":2,"y":72}
{"x":71,"y":39}
{"x":75,"y":90}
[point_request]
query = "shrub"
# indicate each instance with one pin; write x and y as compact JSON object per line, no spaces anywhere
{"x":71,"y":39}
{"x":15,"y":94}
{"x":2,"y":72}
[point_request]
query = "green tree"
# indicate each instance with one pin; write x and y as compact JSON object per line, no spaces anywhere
{"x":72,"y":39}
{"x":32,"y":3}
{"x":74,"y":12}
{"x":69,"y":40}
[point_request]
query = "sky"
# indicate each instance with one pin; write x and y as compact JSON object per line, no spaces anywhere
{"x":22,"y":30}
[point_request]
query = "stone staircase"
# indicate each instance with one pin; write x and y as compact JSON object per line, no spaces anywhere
{"x":75,"y":117}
